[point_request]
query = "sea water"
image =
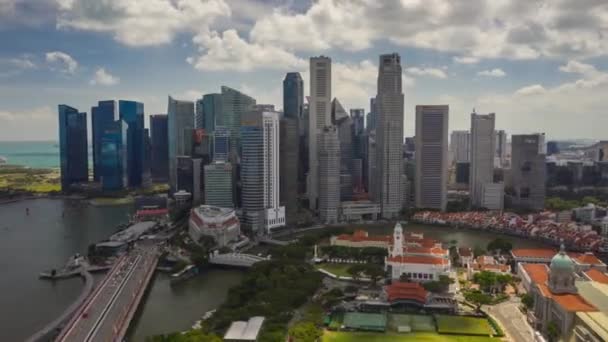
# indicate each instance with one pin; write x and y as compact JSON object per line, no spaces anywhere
{"x":35,"y":154}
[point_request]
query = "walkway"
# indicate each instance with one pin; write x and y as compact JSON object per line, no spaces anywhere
{"x":512,"y":319}
{"x":235,"y":259}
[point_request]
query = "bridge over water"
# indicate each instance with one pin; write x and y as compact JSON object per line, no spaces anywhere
{"x":235,"y":259}
{"x":107,"y":312}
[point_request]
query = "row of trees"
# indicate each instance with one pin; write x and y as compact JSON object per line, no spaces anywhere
{"x":373,"y":271}
{"x":491,"y":282}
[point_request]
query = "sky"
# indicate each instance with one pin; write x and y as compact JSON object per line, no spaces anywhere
{"x":541,"y":66}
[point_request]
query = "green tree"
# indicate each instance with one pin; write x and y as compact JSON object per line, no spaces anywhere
{"x":305,"y":332}
{"x":499,"y":245}
{"x":503,"y":280}
{"x":478,"y":298}
{"x":553,"y":331}
{"x":485,"y":279}
{"x":477,"y":251}
{"x":528,"y":300}
{"x":355,"y":271}
{"x":374,"y":272}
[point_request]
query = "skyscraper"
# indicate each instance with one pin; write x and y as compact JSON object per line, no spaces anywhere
{"x":113,"y":157}
{"x":73,"y":149}
{"x":319,"y":117}
{"x":481,"y":156}
{"x":208,"y":108}
{"x":180,"y":126}
{"x":293,"y":95}
{"x":132,"y":113}
{"x":260,"y":171}
{"x":370,"y":123}
{"x":460,"y":146}
{"x":389,"y":135}
{"x":431,"y":156}
{"x":218,"y":185}
{"x":289,"y":166}
{"x":160,"y":147}
{"x":501,"y":149}
{"x":234,"y":105}
{"x":221,"y":143}
{"x":528,"y":172}
{"x":343,"y":123}
{"x":101,"y":116}
{"x":329,"y":174}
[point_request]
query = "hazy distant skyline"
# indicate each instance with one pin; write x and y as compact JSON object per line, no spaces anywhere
{"x":541,"y":66}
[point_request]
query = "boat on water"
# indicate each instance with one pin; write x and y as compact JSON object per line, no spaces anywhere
{"x":3,"y":160}
{"x":186,"y":273}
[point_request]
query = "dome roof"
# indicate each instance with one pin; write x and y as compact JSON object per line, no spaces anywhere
{"x":561,"y":261}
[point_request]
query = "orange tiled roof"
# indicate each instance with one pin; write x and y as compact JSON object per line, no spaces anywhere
{"x":402,"y":290}
{"x":587,"y":259}
{"x":411,"y":259}
{"x":573,"y":302}
{"x":534,"y":253}
{"x":427,"y":250}
{"x":539,"y":273}
{"x":598,"y":276}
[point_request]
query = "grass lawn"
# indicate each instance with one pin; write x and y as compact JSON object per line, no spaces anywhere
{"x":106,"y":201}
{"x":39,"y":183}
{"x":342,"y":336}
{"x":463,"y":325}
{"x":337,"y":269}
{"x":416,"y":322}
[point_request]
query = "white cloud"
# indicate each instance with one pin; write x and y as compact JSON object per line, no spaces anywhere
{"x":24,"y":115}
{"x":534,"y":89}
{"x":23,"y":63}
{"x":62,"y":61}
{"x":492,"y":73}
{"x":578,"y":68}
{"x":102,"y":77}
{"x":433,"y":72}
{"x":228,"y":51}
{"x":465,"y":60}
{"x":141,"y":23}
{"x":14,"y":122}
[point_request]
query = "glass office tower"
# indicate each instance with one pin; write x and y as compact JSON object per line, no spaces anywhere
{"x":113,"y":158}
{"x":102,"y":116}
{"x":159,"y":142}
{"x":73,"y":148}
{"x":132,"y":113}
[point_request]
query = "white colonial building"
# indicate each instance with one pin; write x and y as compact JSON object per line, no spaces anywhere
{"x":220,"y":223}
{"x":416,"y":263}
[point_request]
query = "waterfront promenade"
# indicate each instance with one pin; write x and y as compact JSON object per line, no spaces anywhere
{"x":106,"y":314}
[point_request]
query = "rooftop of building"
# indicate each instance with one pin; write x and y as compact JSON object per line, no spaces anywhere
{"x":594,"y":292}
{"x":539,"y":274}
{"x":596,"y":321}
{"x":209,"y":211}
{"x":596,"y":275}
{"x":544,"y":253}
{"x":406,"y":291}
{"x":245,"y":331}
{"x":465,"y":252}
{"x":413,"y":259}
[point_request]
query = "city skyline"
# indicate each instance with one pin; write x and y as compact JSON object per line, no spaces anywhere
{"x":542,"y":72}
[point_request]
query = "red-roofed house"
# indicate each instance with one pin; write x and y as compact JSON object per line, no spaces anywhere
{"x":409,"y":293}
{"x":465,"y":256}
{"x":588,"y":261}
{"x":488,"y":263}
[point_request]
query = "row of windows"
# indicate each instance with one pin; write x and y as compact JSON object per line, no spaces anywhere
{"x":426,"y":276}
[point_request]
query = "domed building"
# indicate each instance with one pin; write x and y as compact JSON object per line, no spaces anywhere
{"x":556,"y":297}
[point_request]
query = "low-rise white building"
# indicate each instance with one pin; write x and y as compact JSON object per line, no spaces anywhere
{"x":220,"y":223}
{"x":358,"y":210}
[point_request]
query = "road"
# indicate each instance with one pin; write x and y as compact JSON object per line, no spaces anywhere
{"x":512,"y":319}
{"x":102,"y":318}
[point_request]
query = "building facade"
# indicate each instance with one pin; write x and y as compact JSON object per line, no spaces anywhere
{"x":389,"y":136}
{"x":73,"y":147}
{"x":289,"y":165}
{"x":160,"y":147}
{"x":431,"y":156}
{"x":460,"y":146}
{"x":102,"y":115}
{"x":526,"y":187}
{"x":234,"y":105}
{"x":318,"y":118}
{"x":329,"y":174}
{"x":180,"y":125}
{"x":132,"y":113}
{"x":482,"y":156}
{"x":293,"y":95}
{"x":113,"y":159}
{"x":218,"y":184}
{"x":221,"y":224}
{"x":501,"y":149}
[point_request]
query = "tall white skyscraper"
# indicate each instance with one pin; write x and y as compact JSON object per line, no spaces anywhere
{"x":389,"y":136}
{"x":318,"y":118}
{"x":260,"y":171}
{"x":482,"y":156}
{"x":432,"y":156}
{"x":329,"y":174}
{"x":459,"y":146}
